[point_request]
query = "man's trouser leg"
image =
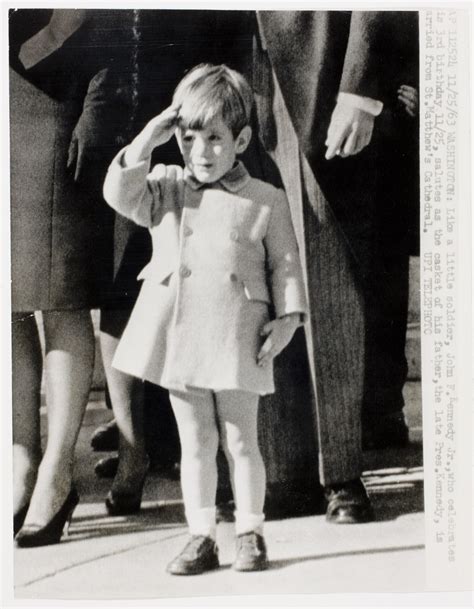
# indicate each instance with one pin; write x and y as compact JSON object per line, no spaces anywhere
{"x":335,"y":332}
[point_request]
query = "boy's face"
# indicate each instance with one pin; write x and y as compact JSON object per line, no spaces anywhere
{"x":210,"y":152}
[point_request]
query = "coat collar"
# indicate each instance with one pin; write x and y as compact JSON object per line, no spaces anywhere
{"x":234,"y":180}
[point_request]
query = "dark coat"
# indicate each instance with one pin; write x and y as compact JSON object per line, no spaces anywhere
{"x":316,"y":55}
{"x":335,"y":204}
{"x":59,"y":225}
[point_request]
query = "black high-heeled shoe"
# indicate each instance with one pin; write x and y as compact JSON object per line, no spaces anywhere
{"x":19,"y":518}
{"x":124,"y":504}
{"x":33,"y":535}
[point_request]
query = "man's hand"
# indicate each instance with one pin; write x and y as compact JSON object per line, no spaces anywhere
{"x":350,"y":131}
{"x":279,"y":332}
{"x":155,"y":133}
{"x":86,"y":143}
{"x":409,"y":98}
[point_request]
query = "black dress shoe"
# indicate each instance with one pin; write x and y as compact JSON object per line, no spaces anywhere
{"x":251,"y":553}
{"x":32,"y":535}
{"x":169,"y":469}
{"x":19,"y":518}
{"x":348,"y":503}
{"x":124,"y":504}
{"x":106,"y":437}
{"x":199,"y":555}
{"x":106,"y":467}
{"x":389,"y":431}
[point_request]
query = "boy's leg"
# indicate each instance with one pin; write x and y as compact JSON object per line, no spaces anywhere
{"x":237,"y":416}
{"x":196,"y":418}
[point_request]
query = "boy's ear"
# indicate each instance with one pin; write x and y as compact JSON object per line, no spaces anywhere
{"x":243,"y":139}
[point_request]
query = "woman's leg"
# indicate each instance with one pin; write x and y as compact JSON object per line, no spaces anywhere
{"x":69,"y":338}
{"x":198,"y":433}
{"x":126,"y":395}
{"x":237,"y":416}
{"x":27,"y":365}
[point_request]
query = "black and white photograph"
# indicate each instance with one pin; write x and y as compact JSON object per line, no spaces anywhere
{"x":218,"y":301}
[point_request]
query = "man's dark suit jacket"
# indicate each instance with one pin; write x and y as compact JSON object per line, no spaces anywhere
{"x":316,"y":55}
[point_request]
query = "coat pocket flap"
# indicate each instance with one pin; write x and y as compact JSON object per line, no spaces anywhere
{"x":256,"y":289}
{"x":155,"y":272}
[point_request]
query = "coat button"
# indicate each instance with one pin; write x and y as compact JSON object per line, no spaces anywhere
{"x":188,"y":231}
{"x":233,"y":277}
{"x":234,"y":235}
{"x":184,"y":271}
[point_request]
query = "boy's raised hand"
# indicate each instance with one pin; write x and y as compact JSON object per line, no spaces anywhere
{"x":161,"y":128}
{"x":155,"y":133}
{"x":279,"y":332}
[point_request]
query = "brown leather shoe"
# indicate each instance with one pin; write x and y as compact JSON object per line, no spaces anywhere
{"x":251,"y":553}
{"x":348,"y":503}
{"x":199,"y":555}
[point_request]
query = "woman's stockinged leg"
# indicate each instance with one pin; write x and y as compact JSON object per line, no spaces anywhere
{"x":199,"y":437}
{"x":27,"y":365}
{"x":70,"y":346}
{"x":237,"y":413}
{"x":126,"y":395}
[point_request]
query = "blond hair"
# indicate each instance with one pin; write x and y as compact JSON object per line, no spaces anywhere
{"x":210,"y":90}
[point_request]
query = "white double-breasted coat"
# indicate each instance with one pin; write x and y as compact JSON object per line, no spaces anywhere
{"x":224,"y":259}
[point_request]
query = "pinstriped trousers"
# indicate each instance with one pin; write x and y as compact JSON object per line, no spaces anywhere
{"x":335,"y":333}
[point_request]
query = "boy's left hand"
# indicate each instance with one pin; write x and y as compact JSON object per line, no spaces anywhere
{"x":279,"y":332}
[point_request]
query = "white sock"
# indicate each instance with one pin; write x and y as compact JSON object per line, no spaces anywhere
{"x":202,"y":522}
{"x":246,"y":522}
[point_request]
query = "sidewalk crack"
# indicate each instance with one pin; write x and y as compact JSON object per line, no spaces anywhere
{"x":93,"y":559}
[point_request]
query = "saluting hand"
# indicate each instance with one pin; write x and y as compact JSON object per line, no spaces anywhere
{"x":155,"y":133}
{"x":279,"y":332}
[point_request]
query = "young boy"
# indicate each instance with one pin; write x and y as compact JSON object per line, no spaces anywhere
{"x":220,"y":239}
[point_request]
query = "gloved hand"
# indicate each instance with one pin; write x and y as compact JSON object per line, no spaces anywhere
{"x":98,"y":132}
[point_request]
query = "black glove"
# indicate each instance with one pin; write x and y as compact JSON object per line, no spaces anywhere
{"x":100,"y":130}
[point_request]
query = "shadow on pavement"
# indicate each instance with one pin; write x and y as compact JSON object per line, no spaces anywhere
{"x":157,"y":517}
{"x":280,"y":564}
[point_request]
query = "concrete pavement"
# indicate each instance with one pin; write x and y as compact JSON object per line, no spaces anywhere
{"x":122,"y":558}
